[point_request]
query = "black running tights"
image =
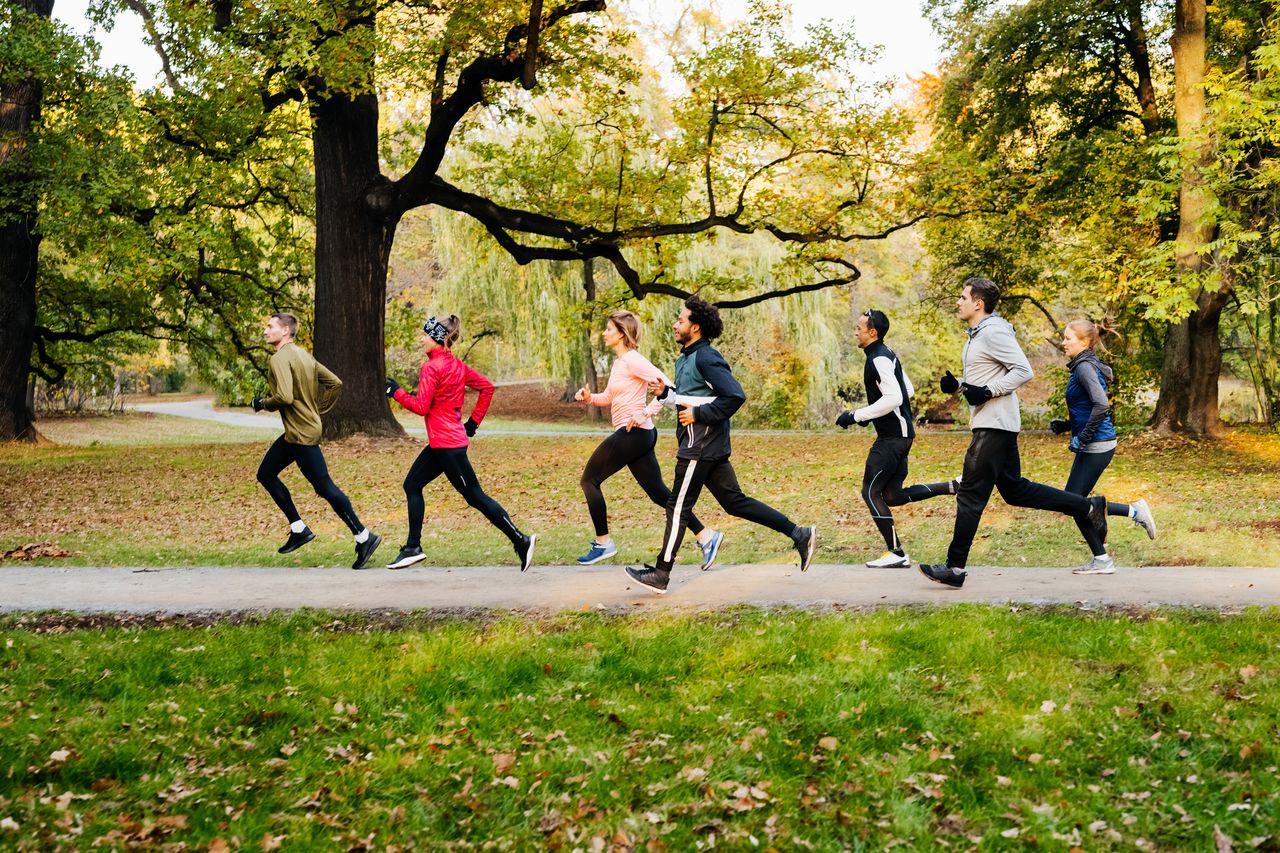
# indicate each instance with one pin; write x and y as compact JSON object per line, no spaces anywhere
{"x":310,"y":462}
{"x":453,"y":463}
{"x":626,"y":449}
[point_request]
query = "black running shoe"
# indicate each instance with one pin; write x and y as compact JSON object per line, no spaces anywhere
{"x":944,"y":574}
{"x":806,"y":539}
{"x":524,"y":550}
{"x":296,"y":540}
{"x":1098,"y":515}
{"x":655,"y":579}
{"x":365,"y":549}
{"x":408,"y":555}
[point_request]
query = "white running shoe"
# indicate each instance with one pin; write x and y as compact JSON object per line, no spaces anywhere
{"x":1103,"y":565}
{"x":1143,"y":518}
{"x":890,"y":560}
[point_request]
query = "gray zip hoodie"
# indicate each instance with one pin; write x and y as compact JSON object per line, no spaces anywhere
{"x":993,"y":358}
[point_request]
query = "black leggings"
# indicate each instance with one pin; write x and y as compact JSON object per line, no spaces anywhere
{"x":719,"y":478}
{"x":453,"y":463}
{"x":630,"y":449}
{"x":992,"y":461}
{"x":1086,"y":470}
{"x":310,"y":462}
{"x":882,"y":480}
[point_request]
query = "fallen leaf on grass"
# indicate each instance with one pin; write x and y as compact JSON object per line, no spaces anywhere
{"x":1221,"y":841}
{"x":1247,"y":672}
{"x":34,"y":551}
{"x":503,"y":761}
{"x":828,"y":743}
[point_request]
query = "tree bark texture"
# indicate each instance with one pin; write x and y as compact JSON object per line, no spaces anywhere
{"x":19,"y":244}
{"x":353,"y":245}
{"x":1194,"y":379}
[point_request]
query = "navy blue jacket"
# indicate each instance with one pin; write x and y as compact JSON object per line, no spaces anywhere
{"x":1088,"y":408}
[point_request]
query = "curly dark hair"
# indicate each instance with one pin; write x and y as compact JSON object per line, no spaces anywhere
{"x":706,"y":316}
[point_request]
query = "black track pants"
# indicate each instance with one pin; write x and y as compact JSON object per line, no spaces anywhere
{"x":625,"y":449}
{"x":992,"y":461}
{"x":882,"y":480}
{"x":310,"y":462}
{"x":453,"y":463}
{"x":1086,"y":470}
{"x":719,"y":478}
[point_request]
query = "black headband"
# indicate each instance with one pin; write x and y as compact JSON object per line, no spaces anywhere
{"x":436,"y":330}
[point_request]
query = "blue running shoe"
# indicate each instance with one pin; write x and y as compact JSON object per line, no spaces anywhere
{"x":597,"y":552}
{"x":710,"y":549}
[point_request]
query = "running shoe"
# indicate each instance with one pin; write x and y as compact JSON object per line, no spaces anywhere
{"x":710,"y":549}
{"x":655,"y":579}
{"x":1143,"y":518}
{"x":524,"y":550}
{"x":1101,"y":565}
{"x":408,"y":555}
{"x":365,"y":549}
{"x":806,"y":539}
{"x":597,"y":552}
{"x":1098,"y":516}
{"x":890,"y":560}
{"x":296,"y":540}
{"x":944,"y":574}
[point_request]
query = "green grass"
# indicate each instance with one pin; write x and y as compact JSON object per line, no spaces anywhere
{"x":970,"y":726}
{"x":198,"y":503}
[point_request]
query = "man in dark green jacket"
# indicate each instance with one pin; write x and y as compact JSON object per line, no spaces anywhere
{"x":302,"y":389}
{"x":706,"y":395}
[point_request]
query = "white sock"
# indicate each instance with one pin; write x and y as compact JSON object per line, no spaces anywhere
{"x":298,"y":526}
{"x":1133,"y":512}
{"x":362,"y":536}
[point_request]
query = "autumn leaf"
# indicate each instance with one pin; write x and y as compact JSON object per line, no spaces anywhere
{"x":1221,"y":841}
{"x":828,"y":743}
{"x":1247,"y":672}
{"x":271,"y":842}
{"x":502,"y":762}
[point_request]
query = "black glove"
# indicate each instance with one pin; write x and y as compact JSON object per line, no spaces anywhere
{"x":846,"y":420}
{"x":256,"y":402}
{"x":470,"y":426}
{"x":1058,"y":426}
{"x":392,"y":387}
{"x":948,"y":383}
{"x":976,"y":394}
{"x":1075,"y":446}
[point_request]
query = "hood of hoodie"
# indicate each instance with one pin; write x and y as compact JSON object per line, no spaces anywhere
{"x":1090,"y":357}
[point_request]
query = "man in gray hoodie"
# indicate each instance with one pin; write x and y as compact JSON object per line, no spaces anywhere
{"x":994,"y":368}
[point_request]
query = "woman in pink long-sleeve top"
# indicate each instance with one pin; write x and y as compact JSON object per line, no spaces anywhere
{"x":441,"y":387}
{"x":632,"y":442}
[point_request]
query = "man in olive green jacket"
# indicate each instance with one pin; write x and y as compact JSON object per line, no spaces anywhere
{"x":302,"y":389}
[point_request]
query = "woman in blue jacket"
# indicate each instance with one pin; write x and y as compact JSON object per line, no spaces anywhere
{"x":1093,"y":437}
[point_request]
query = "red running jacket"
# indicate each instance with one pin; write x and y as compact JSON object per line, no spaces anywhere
{"x":441,"y":385}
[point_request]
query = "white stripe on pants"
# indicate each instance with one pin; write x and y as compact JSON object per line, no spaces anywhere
{"x":668,"y":547}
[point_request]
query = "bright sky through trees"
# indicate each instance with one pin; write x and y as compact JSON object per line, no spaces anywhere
{"x":910,"y":45}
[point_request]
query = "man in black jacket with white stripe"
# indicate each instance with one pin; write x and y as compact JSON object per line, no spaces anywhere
{"x":889,"y":394}
{"x":706,"y":395}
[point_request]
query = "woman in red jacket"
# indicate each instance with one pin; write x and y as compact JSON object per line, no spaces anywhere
{"x":441,"y":385}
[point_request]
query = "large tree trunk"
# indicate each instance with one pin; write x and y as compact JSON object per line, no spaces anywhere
{"x":1196,"y":378}
{"x":352,"y":249}
{"x":1171,"y":406}
{"x":594,"y":413}
{"x":1206,"y":366}
{"x":19,"y":243}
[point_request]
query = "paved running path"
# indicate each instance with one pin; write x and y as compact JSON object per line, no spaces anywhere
{"x":202,"y":409}
{"x":555,"y":588}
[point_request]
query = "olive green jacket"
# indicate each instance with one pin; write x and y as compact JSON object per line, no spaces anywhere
{"x":301,"y":390}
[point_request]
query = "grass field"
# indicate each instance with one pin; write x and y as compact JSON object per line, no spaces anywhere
{"x":168,"y":491}
{"x":965,"y":728}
